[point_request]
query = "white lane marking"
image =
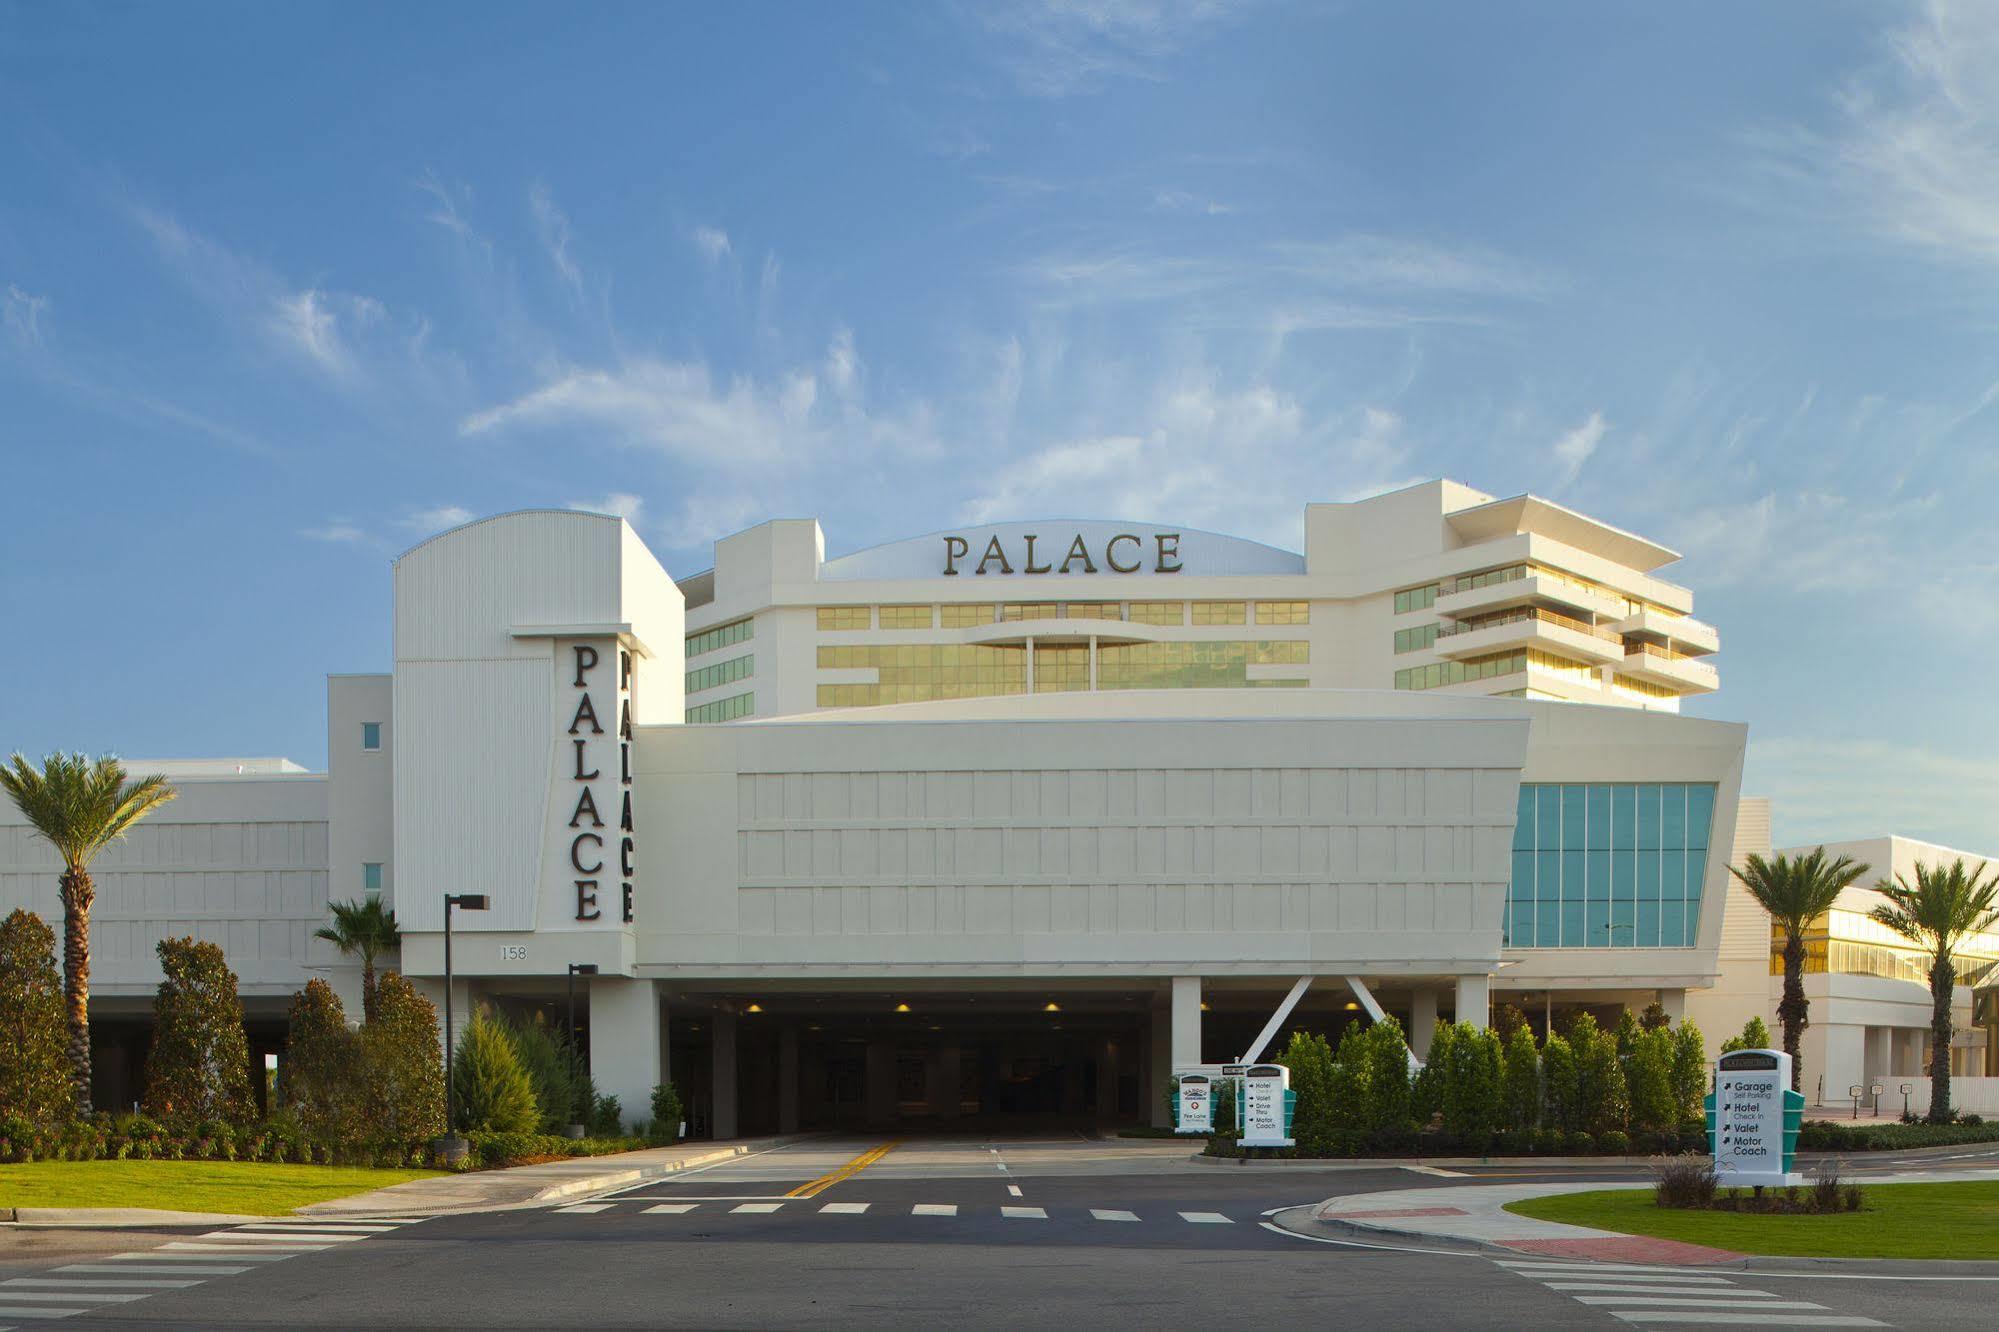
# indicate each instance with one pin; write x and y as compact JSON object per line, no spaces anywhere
{"x":270,"y":1250}
{"x":1642,"y":1279}
{"x":1628,"y":1288}
{"x":367,"y":1227}
{"x":1661,"y":1302}
{"x":1014,"y":1189}
{"x":283,"y":1236}
{"x":162,"y":1256}
{"x":845,"y":1209}
{"x":580,"y":1208}
{"x":94,"y":1282}
{"x":1745,"y":1319}
{"x":934,"y":1209}
{"x":758,"y":1208}
{"x":1206,"y":1218}
{"x":136,"y":1267}
{"x":671,"y":1209}
{"x":1111,"y":1214}
{"x":700,"y":1197}
{"x":1024,"y":1213}
{"x":37,"y":1311}
{"x":1437,"y":1170}
{"x":83,"y":1297}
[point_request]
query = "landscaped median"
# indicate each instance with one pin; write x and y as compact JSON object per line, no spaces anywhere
{"x":1947,"y":1220}
{"x":242,"y":1188}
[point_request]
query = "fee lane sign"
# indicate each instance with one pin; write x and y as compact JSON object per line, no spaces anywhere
{"x":1748,"y":1117}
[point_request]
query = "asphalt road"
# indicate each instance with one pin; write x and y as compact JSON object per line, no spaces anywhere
{"x":967,"y":1232}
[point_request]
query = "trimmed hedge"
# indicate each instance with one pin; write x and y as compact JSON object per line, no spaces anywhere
{"x":1824,"y":1135}
{"x":492,"y":1150}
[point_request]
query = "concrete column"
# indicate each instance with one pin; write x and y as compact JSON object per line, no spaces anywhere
{"x":625,"y":1040}
{"x":1475,"y":1000}
{"x":951,"y":1080}
{"x":1159,"y":1064}
{"x":1675,"y":1003}
{"x":1422,"y":1020}
{"x":787,"y":1080}
{"x":1107,"y":1079}
{"x":722,"y":1074}
{"x":1878,"y":1055}
{"x":1186,"y":1021}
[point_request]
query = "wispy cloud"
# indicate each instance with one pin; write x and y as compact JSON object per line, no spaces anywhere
{"x":1054,"y":48}
{"x":627,"y":507}
{"x":438,"y":518}
{"x":1841,"y":788}
{"x":712,"y":243}
{"x":1181,"y":201}
{"x":1576,"y":447}
{"x":447,"y":210}
{"x":21,"y":315}
{"x":338,"y":532}
{"x":1913,"y":150}
{"x":552,"y":224}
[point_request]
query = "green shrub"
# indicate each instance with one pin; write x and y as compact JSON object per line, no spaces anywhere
{"x":1522,"y":1081}
{"x":1600,"y":1093}
{"x":1427,"y":1095}
{"x":402,"y":1069}
{"x":1820,"y":1135}
{"x":1324,"y":1122}
{"x":667,"y":1113}
{"x":1578,"y":1143}
{"x":1648,"y":1082}
{"x":34,"y":1061}
{"x":607,"y":1117}
{"x":1755,"y":1036}
{"x":1379,"y":1060}
{"x":1560,"y":1087}
{"x":199,"y":1068}
{"x":1613,"y":1143}
{"x":493,"y":1090}
{"x":1516,"y":1141}
{"x":1688,"y":1074}
{"x":1548,"y":1142}
{"x":317,"y":1075}
{"x":1470,"y":1090}
{"x":554,"y":1071}
{"x":1627,"y":1032}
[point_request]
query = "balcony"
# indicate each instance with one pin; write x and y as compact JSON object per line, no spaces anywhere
{"x":1681,"y":633}
{"x":1535,"y":585}
{"x":1532,"y":627}
{"x":1663,"y":666}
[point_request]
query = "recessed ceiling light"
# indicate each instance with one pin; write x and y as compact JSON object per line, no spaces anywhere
{"x":1352,"y":1006}
{"x":1051,"y":1007}
{"x":902,"y":1008}
{"x":755,"y":1008}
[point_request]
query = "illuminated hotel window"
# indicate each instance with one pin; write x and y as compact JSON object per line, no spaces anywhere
{"x":724,"y":709}
{"x":906,"y":617}
{"x":1220,"y":612}
{"x":844,"y":617}
{"x":1029,"y":610}
{"x":960,"y":617}
{"x":1061,"y":666}
{"x":918,"y":672}
{"x":1093,"y":610}
{"x":1193,"y":665}
{"x":720,"y":636}
{"x":1283,"y":612}
{"x":1416,"y":639}
{"x":1415,"y":599}
{"x":721,"y":673}
{"x":1158,"y":612}
{"x":1608,"y":865}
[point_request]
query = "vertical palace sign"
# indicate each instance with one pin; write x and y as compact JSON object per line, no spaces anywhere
{"x":602,"y":838}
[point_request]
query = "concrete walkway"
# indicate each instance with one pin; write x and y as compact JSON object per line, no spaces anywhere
{"x":537,"y":1185}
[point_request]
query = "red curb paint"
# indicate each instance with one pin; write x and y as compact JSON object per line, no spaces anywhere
{"x":1626,"y":1249}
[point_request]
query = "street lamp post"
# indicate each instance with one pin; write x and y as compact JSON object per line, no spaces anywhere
{"x":451,"y":1148}
{"x":576,"y":1127}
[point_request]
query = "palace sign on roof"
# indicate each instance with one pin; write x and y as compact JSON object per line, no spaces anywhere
{"x":1124,"y":553}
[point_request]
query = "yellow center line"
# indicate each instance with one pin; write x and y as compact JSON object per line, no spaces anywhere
{"x":847,"y":1171}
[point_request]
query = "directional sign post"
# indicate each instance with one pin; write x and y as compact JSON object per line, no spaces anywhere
{"x":1267,"y":1102}
{"x":1194,"y":1106}
{"x":1753,"y":1118}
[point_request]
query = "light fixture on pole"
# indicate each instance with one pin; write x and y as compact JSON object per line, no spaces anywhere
{"x":451,"y":1148}
{"x":575,"y":1128}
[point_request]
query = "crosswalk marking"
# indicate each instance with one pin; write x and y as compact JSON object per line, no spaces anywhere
{"x":671,"y":1209}
{"x":138,"y":1267}
{"x":756,"y":1207}
{"x":1646,"y":1296}
{"x":1111,"y":1214}
{"x":84,"y":1297}
{"x":845,"y":1209}
{"x":579,"y":1208}
{"x":37,"y":1311}
{"x":934,"y":1209}
{"x":95,"y":1282}
{"x":1024,"y":1213}
{"x":1010,"y":1212}
{"x":1205,"y":1218}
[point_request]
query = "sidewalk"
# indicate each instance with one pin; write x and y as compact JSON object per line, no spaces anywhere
{"x":537,"y":1185}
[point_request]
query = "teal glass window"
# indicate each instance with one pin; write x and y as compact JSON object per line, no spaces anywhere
{"x":371,"y":736}
{"x":1609,"y":865}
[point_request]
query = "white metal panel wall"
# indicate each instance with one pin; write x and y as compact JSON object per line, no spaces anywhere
{"x":460,"y":595}
{"x":238,"y":863}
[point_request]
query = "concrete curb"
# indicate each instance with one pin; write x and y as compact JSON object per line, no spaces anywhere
{"x":615,"y":1179}
{"x":117,"y":1218}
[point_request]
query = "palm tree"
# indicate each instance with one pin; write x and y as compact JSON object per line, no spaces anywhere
{"x":1946,"y":904}
{"x":79,"y":807}
{"x":366,"y":928}
{"x":1796,"y":892}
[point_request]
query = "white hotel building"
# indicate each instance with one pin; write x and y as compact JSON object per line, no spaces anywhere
{"x":1006,"y":820}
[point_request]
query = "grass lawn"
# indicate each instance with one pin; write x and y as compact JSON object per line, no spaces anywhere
{"x":1900,"y":1221}
{"x":244,"y":1187}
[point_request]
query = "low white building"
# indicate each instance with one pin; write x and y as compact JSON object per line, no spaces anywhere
{"x":1007,"y":820}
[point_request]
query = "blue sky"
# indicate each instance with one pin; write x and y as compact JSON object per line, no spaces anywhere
{"x":285,"y":288}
